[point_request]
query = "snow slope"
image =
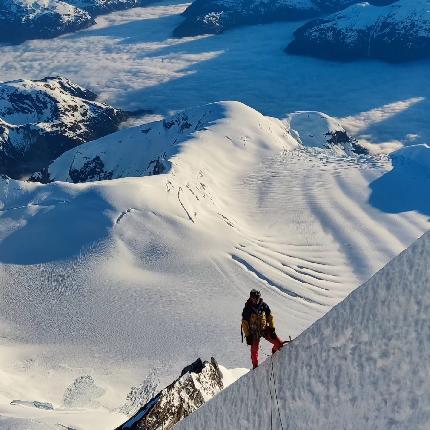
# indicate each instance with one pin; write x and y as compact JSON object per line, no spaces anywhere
{"x":147,"y":149}
{"x":417,"y":155}
{"x":114,"y":279}
{"x":363,"y":365}
{"x":398,"y":32}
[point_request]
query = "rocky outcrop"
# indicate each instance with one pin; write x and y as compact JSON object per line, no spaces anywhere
{"x":39,"y":120}
{"x":197,"y":384}
{"x":97,"y":7}
{"x":39,"y":19}
{"x":215,"y":16}
{"x":396,"y":33}
{"x":144,"y":150}
{"x":318,"y":130}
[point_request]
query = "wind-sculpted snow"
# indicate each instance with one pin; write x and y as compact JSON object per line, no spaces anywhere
{"x":363,"y":365}
{"x":23,"y":19}
{"x":398,"y":32}
{"x":111,"y":279}
{"x":39,"y":120}
{"x":215,"y":16}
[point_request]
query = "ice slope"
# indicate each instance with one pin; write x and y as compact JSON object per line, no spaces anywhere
{"x":363,"y":365}
{"x":398,"y":32}
{"x":113,"y":279}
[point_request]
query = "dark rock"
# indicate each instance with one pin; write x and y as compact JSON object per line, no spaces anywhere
{"x":92,"y":170}
{"x":39,"y":120}
{"x":197,"y":383}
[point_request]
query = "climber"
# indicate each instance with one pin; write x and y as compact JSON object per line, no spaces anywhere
{"x":257,"y":322}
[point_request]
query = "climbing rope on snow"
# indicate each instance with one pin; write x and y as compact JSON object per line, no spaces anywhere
{"x":272,"y":378}
{"x":276,"y":393}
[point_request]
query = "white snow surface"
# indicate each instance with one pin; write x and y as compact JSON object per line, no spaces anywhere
{"x":113,"y":279}
{"x":363,"y":365}
{"x":314,"y":130}
{"x":133,"y":151}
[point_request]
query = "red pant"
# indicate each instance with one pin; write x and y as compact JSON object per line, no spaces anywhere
{"x":277,"y":345}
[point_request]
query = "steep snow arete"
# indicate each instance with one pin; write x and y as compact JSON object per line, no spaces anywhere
{"x":364,"y":364}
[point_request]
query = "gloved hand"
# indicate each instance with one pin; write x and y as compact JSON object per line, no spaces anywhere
{"x":271,"y":332}
{"x":249,"y":340}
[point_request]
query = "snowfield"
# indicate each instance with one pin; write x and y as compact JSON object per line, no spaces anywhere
{"x":151,"y":272}
{"x":106,"y":282}
{"x":362,"y":365}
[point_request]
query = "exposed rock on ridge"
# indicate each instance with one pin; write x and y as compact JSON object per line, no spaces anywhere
{"x":198,"y":383}
{"x":39,"y":120}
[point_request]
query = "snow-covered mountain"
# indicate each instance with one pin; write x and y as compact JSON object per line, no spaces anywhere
{"x":398,"y":32}
{"x":39,"y":120}
{"x":364,"y":364}
{"x":35,"y":19}
{"x":215,"y":16}
{"x":316,"y":129}
{"x":97,"y":7}
{"x":103,"y":282}
{"x":147,"y":149}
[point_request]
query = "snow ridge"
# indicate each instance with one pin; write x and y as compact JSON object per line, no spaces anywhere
{"x":364,"y":362}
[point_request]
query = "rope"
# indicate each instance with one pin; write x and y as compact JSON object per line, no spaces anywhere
{"x":272,"y":377}
{"x":276,"y":394}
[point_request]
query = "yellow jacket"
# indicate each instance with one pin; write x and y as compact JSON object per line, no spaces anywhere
{"x":256,"y":318}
